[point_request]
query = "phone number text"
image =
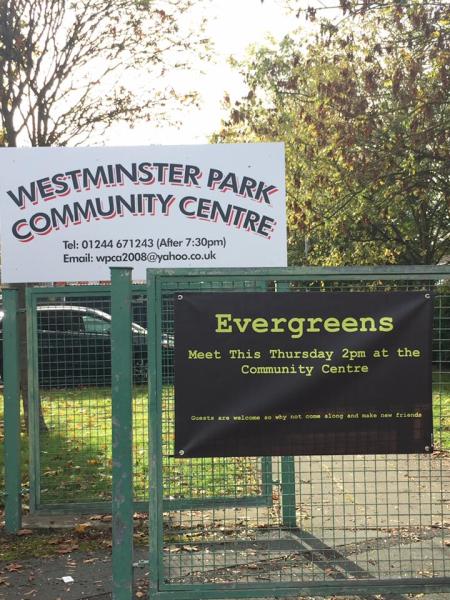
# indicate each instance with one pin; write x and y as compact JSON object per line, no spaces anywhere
{"x":137,"y":243}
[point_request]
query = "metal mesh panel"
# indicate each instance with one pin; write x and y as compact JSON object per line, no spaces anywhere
{"x":334,"y":520}
{"x":71,"y":466}
{"x":73,"y":384}
{"x":71,"y":457}
{"x":140,"y":399}
{"x":198,"y":479}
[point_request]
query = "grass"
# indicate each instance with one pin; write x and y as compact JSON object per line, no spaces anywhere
{"x":76,"y":461}
{"x":441,"y":411}
{"x":76,"y":452}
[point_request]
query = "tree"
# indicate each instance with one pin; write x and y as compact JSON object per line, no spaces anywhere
{"x":71,"y":69}
{"x":68,"y":70}
{"x":363,"y":106}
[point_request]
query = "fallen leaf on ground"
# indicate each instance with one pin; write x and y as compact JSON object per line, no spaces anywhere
{"x":22,"y":532}
{"x":14,"y":567}
{"x":67,"y":549}
{"x":107,"y":518}
{"x":81,"y":527}
{"x":190,"y":548}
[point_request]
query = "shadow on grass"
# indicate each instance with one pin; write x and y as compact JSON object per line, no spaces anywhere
{"x":73,"y":470}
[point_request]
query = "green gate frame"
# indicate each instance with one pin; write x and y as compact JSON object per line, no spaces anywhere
{"x":76,"y":293}
{"x":181,"y":280}
{"x":12,"y":413}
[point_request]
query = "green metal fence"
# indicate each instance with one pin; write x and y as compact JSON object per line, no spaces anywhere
{"x":236,"y":527}
{"x":338,"y":524}
{"x":70,"y":409}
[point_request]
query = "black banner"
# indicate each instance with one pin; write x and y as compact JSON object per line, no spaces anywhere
{"x":269,"y":374}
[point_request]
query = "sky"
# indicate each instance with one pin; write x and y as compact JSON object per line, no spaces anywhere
{"x":233,"y":25}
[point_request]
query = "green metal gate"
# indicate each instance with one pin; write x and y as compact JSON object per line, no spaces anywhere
{"x":70,"y":409}
{"x":337,"y":524}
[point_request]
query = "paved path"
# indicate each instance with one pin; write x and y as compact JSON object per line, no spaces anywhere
{"x":363,"y":518}
{"x":42,"y":579}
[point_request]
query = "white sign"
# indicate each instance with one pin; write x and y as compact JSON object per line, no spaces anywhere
{"x":68,"y":214}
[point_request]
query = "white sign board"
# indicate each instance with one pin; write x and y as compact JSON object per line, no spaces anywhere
{"x":68,"y":214}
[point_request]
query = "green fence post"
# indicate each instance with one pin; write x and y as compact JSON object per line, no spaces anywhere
{"x":11,"y":381}
{"x":287,"y":464}
{"x":288,"y":491}
{"x":122,"y":434}
{"x":34,"y":432}
{"x":156,"y":505}
{"x":267,"y":479}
